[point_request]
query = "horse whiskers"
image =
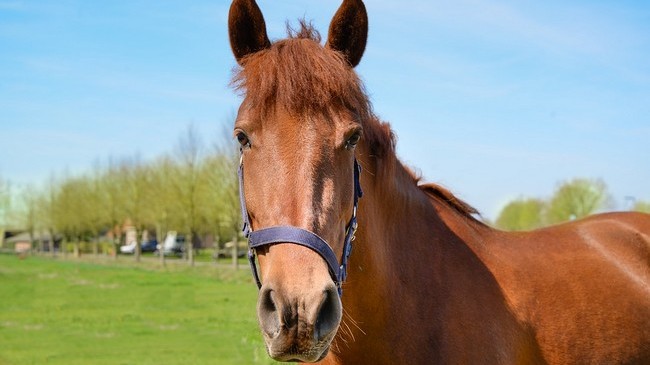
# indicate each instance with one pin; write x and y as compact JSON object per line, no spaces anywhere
{"x":349,"y":330}
{"x":354,"y":322}
{"x":335,"y":346}
{"x":365,"y":169}
{"x":346,"y":334}
{"x":343,"y":333}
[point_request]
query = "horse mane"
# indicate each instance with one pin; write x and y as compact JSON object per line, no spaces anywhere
{"x":435,"y":191}
{"x":301,"y":75}
{"x":307,"y":78}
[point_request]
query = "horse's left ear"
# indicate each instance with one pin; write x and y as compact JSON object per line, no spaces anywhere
{"x":348,"y":31}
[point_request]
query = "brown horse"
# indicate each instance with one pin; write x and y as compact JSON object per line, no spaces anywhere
{"x":427,"y":282}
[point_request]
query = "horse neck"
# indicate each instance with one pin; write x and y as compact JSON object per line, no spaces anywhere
{"x":403,"y":247}
{"x":399,"y":222}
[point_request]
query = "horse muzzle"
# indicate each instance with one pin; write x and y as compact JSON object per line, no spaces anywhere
{"x":299,"y":327}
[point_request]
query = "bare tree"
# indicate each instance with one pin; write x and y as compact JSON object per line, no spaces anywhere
{"x":5,"y":206}
{"x":112,"y":189}
{"x":68,"y":216}
{"x":47,"y":207}
{"x":28,"y":216}
{"x":162,"y":204}
{"x":95,"y":203}
{"x":136,"y":187}
{"x":225,"y":185}
{"x":188,"y":185}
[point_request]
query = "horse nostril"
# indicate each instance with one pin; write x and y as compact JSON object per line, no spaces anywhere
{"x":267,"y":312}
{"x":329,"y":314}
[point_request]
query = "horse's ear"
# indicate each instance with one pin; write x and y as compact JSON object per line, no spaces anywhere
{"x":246,"y":28}
{"x":348,"y":31}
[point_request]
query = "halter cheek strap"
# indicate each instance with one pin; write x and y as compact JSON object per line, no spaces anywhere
{"x":299,"y":236}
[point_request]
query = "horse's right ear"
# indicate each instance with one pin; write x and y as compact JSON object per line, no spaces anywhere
{"x":246,"y":28}
{"x":349,"y":31}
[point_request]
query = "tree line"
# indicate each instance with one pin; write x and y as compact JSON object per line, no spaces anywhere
{"x":193,"y":191}
{"x":572,"y":199}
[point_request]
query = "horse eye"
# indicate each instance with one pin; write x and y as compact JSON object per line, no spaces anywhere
{"x":242,"y":138}
{"x":353,"y":140}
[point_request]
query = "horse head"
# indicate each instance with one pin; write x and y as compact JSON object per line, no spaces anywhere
{"x":299,"y":125}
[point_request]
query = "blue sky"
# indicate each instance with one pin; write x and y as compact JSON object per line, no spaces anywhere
{"x":492,"y":99}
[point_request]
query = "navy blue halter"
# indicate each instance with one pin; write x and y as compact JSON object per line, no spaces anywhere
{"x":299,"y":236}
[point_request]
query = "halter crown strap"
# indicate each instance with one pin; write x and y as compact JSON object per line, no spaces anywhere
{"x":299,"y":236}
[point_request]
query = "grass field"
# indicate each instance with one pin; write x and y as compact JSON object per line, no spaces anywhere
{"x":69,"y":313}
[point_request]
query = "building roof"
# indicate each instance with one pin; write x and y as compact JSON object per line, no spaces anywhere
{"x":24,"y":237}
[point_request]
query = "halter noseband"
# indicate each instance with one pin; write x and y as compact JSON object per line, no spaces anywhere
{"x":299,"y":236}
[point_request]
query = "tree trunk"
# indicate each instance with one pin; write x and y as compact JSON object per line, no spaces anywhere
{"x":31,"y":241}
{"x":235,"y":250}
{"x":215,"y":246}
{"x":138,"y":251}
{"x":95,"y":246}
{"x":116,"y":244}
{"x":189,"y":249}
{"x":41,"y":242}
{"x":52,"y":239}
{"x":77,"y":252}
{"x":64,"y":244}
{"x":161,"y":244}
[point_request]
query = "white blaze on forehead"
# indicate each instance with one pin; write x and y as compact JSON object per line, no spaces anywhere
{"x":304,"y":193}
{"x":313,"y":183}
{"x":327,"y":200}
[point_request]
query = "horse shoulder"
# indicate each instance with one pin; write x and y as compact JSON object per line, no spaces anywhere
{"x":582,"y":287}
{"x":623,"y":239}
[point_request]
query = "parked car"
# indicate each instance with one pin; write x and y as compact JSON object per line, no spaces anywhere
{"x":146,"y":246}
{"x":129,"y":248}
{"x":149,"y":246}
{"x":174,"y":244}
{"x":226,"y":251}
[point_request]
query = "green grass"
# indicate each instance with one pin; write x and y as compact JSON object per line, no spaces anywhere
{"x":68,"y":313}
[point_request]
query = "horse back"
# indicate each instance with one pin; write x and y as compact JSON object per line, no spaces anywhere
{"x":583,"y":288}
